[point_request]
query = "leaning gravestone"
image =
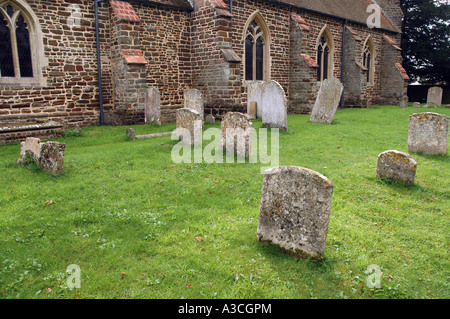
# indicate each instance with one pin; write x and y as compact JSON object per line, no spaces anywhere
{"x":236,"y":134}
{"x":131,"y":134}
{"x":327,"y":101}
{"x":193,"y":100}
{"x":428,"y":133}
{"x":30,"y":151}
{"x":153,"y":106}
{"x":254,"y":94}
{"x":295,"y":210}
{"x":274,"y":106}
{"x":52,"y":157}
{"x":398,"y":166}
{"x":210,"y":119}
{"x":189,"y":126}
{"x":434,"y":97}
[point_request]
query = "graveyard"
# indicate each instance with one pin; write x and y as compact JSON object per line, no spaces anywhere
{"x":139,"y":225}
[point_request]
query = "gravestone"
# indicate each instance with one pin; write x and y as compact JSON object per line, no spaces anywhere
{"x":428,"y":133}
{"x":253,"y":110}
{"x":274,"y":106}
{"x":189,"y":126}
{"x":131,"y":134}
{"x":236,"y":134}
{"x":404,"y":103}
{"x":327,"y":101}
{"x":416,"y":105}
{"x":210,"y":119}
{"x":193,"y":100}
{"x":434,"y":97}
{"x":295,"y":210}
{"x":254,"y":94}
{"x":398,"y":166}
{"x":153,"y":106}
{"x":52,"y":157}
{"x":30,"y":150}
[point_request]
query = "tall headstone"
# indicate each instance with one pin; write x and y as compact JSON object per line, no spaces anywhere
{"x":52,"y":157}
{"x":428,"y":133}
{"x":30,"y":150}
{"x":404,"y":103}
{"x":153,"y":106}
{"x":237,"y":134}
{"x":189,"y":126}
{"x":193,"y":100}
{"x":274,"y":106}
{"x":398,"y":166}
{"x":254,"y":94}
{"x":327,"y":101}
{"x":434,"y":97}
{"x":295,"y":210}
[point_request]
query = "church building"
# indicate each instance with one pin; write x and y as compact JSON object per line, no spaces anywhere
{"x":91,"y":62}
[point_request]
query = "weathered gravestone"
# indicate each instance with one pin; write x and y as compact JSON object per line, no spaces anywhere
{"x":52,"y":157}
{"x":416,"y":105}
{"x":210,"y":119}
{"x":252,"y":112}
{"x":153,"y":106}
{"x":274,"y":106}
{"x":295,"y":210}
{"x":327,"y":101}
{"x":398,"y":166}
{"x":236,"y":134}
{"x":193,"y":100}
{"x":428,"y":133}
{"x":131,"y":134}
{"x":189,"y":126}
{"x":404,"y":103}
{"x":254,"y":94}
{"x":434,"y":97}
{"x":30,"y":151}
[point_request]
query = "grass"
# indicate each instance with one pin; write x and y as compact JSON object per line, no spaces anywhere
{"x":129,"y":217}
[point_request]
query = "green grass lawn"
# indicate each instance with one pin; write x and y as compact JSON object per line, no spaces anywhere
{"x":129,"y":217}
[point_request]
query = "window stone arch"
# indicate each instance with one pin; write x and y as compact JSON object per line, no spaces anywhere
{"x":22,"y":59}
{"x":325,"y":53}
{"x":368,"y":59}
{"x":256,"y":41}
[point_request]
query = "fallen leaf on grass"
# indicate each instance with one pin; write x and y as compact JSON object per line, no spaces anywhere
{"x":199,"y":238}
{"x":210,"y":283}
{"x":188,"y":286}
{"x":48,"y":202}
{"x":49,"y":290}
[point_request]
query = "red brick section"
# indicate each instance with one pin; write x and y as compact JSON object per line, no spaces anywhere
{"x":221,"y":8}
{"x":402,"y":71}
{"x":124,"y":11}
{"x":310,"y":61}
{"x":300,"y":22}
{"x":134,"y":56}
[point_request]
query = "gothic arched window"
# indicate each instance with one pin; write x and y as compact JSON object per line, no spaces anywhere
{"x":324,"y":57}
{"x":21,"y":53}
{"x":368,"y":59}
{"x":256,"y":51}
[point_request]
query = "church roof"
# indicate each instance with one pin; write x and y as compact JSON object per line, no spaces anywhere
{"x":351,"y":10}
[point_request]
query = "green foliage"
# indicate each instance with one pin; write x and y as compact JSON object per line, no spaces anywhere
{"x":130,"y":218}
{"x":426,"y":40}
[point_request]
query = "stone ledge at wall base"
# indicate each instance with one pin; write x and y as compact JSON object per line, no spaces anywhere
{"x":398,"y":166}
{"x":49,"y":156}
{"x":295,"y":210}
{"x":15,"y":132}
{"x":428,"y":133}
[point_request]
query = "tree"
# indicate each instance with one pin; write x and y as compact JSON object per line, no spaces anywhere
{"x":426,"y":40}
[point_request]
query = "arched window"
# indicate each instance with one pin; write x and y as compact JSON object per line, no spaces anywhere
{"x":368,"y":59}
{"x":21,"y":43}
{"x":324,"y":56}
{"x":256,"y":50}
